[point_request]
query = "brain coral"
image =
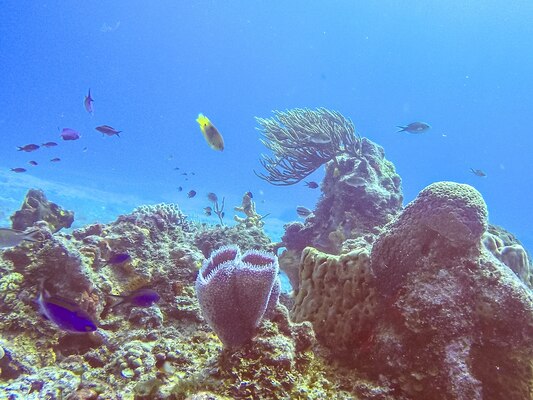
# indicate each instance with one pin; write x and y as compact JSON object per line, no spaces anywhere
{"x":444,"y":219}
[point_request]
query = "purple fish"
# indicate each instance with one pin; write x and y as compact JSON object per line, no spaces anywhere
{"x":70,"y":134}
{"x":28,"y":147}
{"x":18,"y":170}
{"x":139,"y":298}
{"x":108,"y":130}
{"x":57,"y":159}
{"x":64,"y":313}
{"x":117,"y":259}
{"x":49,"y":144}
{"x":34,"y":163}
{"x":88,"y":103}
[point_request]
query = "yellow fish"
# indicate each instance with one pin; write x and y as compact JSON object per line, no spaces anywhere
{"x":211,"y":134}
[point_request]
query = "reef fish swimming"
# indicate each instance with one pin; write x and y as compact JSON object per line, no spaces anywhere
{"x":66,"y":314}
{"x":49,"y":144}
{"x":140,"y":298}
{"x":107,"y":130}
{"x":311,"y":185}
{"x":415,"y":127}
{"x":478,"y":172}
{"x":70,"y":134}
{"x":13,"y":237}
{"x":18,"y":170}
{"x":88,"y":103}
{"x":29,"y":147}
{"x":303,"y":211}
{"x":211,"y":134}
{"x":117,"y":259}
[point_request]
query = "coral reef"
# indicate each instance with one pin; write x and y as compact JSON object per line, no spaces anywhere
{"x":36,"y":207}
{"x":361,"y":194}
{"x":428,"y":302}
{"x":253,"y":237}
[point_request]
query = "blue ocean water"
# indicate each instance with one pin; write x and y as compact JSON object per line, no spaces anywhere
{"x":463,"y":67}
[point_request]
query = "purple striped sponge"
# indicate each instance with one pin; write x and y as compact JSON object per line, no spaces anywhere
{"x":236,"y":292}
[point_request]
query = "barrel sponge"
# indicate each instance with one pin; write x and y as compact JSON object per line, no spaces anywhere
{"x":454,"y":210}
{"x":336,"y":295}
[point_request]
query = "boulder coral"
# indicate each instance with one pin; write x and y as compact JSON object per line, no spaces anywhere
{"x":453,"y":321}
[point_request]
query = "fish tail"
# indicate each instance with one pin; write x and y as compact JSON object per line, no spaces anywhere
{"x":402,"y":128}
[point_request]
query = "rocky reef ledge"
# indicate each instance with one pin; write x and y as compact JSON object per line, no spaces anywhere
{"x":428,"y":301}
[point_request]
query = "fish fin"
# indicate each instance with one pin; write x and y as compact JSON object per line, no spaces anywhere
{"x":118,"y":303}
{"x":30,"y":236}
{"x":402,"y":128}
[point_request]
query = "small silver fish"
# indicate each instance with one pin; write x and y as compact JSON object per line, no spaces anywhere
{"x":13,"y":237}
{"x":303,"y":211}
{"x":478,"y":172}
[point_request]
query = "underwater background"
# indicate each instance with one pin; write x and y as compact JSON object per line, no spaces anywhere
{"x":462,"y":67}
{"x":170,"y":268}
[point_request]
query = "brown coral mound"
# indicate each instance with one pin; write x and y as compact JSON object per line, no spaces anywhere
{"x":454,"y":322}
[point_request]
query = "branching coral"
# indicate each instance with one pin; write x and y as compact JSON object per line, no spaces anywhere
{"x":302,"y":140}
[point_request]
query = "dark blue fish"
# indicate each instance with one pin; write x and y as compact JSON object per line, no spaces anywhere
{"x":66,"y":314}
{"x":32,"y":162}
{"x":191,"y":194}
{"x":117,"y":259}
{"x":311,"y":185}
{"x":18,"y":170}
{"x":49,"y":144}
{"x":57,"y":159}
{"x":415,"y":127}
{"x":180,"y":188}
{"x":139,"y":298}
